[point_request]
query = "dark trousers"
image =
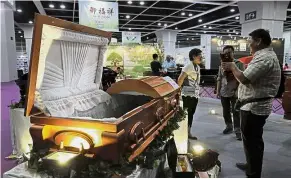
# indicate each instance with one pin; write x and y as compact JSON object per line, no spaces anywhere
{"x":228,"y":105}
{"x":252,"y":134}
{"x":190,"y":103}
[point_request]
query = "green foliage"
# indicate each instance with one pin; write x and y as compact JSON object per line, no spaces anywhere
{"x":138,"y":69}
{"x":115,"y":59}
{"x":159,"y":48}
{"x":141,"y":54}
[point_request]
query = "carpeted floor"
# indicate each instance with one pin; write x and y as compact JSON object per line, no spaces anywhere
{"x":277,"y":136}
{"x":9,"y":93}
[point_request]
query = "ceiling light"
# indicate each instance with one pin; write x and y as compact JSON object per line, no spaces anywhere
{"x":236,"y":33}
{"x":62,"y":6}
{"x":204,"y":26}
{"x":190,"y":14}
{"x":229,"y":34}
{"x":178,"y":41}
{"x":127,"y":16}
{"x":200,"y":20}
{"x":159,"y":24}
{"x":30,"y":22}
{"x":196,"y":33}
{"x":147,"y":37}
{"x":129,"y":2}
{"x":227,"y":31}
{"x":176,"y":28}
{"x":129,"y":28}
{"x":232,"y":10}
{"x":52,"y":6}
{"x":192,"y":39}
{"x":187,"y":38}
{"x":141,"y":3}
{"x":237,"y":17}
{"x":19,"y":10}
{"x":183,"y":13}
{"x":21,"y":36}
{"x":204,"y":32}
{"x":19,"y":32}
{"x":210,"y":27}
{"x":233,"y":31}
{"x":165,"y":25}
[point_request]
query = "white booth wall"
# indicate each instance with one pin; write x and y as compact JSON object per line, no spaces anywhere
{"x":8,"y":48}
{"x":182,"y":54}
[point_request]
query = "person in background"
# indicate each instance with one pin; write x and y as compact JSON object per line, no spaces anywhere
{"x":190,"y":93}
{"x":227,"y":92}
{"x":156,"y":66}
{"x":120,"y":73}
{"x":259,"y":84}
{"x":169,"y":63}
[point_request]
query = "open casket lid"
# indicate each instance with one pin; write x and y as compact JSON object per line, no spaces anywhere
{"x":63,"y":31}
{"x":153,"y":86}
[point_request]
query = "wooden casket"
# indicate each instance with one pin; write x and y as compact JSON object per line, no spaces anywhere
{"x":68,"y":109}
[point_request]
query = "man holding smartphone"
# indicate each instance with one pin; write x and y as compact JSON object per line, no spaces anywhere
{"x":227,"y":91}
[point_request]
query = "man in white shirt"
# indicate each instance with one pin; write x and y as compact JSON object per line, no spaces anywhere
{"x":190,"y":92}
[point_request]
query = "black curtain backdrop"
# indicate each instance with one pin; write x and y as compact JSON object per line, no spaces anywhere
{"x":241,"y":46}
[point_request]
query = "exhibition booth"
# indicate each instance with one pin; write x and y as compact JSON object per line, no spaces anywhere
{"x":90,"y":106}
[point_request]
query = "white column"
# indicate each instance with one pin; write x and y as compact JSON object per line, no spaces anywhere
{"x":287,"y":47}
{"x":28,"y":33}
{"x":268,"y":15}
{"x":8,"y":48}
{"x":205,"y":41}
{"x":168,"y":38}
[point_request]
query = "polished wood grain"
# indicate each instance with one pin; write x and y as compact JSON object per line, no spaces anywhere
{"x":81,"y":123}
{"x":155,"y":87}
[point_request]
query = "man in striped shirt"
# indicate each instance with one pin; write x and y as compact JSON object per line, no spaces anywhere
{"x":259,"y":84}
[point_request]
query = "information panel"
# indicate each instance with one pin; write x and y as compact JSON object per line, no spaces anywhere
{"x":99,"y":14}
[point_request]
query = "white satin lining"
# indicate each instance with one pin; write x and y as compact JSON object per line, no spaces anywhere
{"x":70,"y":73}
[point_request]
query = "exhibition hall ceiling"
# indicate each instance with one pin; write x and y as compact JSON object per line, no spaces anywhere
{"x":190,"y":19}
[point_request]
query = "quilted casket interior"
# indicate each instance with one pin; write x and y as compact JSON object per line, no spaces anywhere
{"x":69,"y":78}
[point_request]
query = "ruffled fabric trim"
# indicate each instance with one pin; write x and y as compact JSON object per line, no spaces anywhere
{"x":55,"y":33}
{"x":66,"y":107}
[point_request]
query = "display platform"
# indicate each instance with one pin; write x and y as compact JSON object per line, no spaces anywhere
{"x":161,"y":169}
{"x":22,"y":171}
{"x":19,"y":127}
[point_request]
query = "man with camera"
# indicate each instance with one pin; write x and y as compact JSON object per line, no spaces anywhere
{"x":259,"y":84}
{"x":227,"y":91}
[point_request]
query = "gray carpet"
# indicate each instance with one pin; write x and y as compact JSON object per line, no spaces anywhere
{"x":277,"y":136}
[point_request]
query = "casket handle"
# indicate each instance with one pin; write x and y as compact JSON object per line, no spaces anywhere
{"x":160,"y":114}
{"x":135,"y":137}
{"x":174,"y":103}
{"x":143,"y":133}
{"x":135,"y":131}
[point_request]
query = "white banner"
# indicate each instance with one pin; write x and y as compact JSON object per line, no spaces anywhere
{"x":99,"y":14}
{"x":131,"y":37}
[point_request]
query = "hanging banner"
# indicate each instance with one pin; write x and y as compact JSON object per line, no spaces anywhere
{"x":99,"y":14}
{"x":131,"y":37}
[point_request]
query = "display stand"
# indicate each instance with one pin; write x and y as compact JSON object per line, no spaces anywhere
{"x":20,"y":137}
{"x":22,"y":171}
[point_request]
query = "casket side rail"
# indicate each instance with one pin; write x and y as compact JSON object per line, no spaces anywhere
{"x":132,"y":132}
